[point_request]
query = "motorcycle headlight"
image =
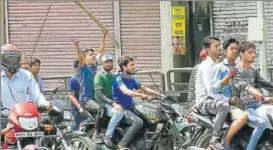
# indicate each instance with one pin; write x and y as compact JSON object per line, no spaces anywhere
{"x":67,"y":116}
{"x":29,"y":123}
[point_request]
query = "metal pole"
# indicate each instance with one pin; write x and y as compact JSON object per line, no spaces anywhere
{"x":262,"y":46}
{"x":94,"y":18}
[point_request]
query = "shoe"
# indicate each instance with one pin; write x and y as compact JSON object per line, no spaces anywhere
{"x":97,"y":138}
{"x":215,"y":144}
{"x":108,"y":142}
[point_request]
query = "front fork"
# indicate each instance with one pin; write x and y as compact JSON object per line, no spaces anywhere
{"x":64,"y":143}
{"x":19,"y":145}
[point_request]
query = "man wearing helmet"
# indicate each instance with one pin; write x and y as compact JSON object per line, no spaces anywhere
{"x":17,"y":85}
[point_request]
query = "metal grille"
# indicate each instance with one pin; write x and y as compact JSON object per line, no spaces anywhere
{"x":60,"y":91}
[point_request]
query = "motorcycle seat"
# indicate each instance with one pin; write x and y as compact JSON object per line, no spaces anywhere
{"x":206,"y":120}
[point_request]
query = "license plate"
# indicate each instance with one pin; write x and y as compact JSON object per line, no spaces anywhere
{"x":66,"y":123}
{"x":28,"y":134}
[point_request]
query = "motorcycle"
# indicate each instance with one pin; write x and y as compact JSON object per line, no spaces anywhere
{"x":24,"y":127}
{"x":163,"y":128}
{"x":241,"y":139}
{"x":61,"y":136}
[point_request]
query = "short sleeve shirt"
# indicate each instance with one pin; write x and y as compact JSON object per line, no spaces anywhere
{"x":74,"y":86}
{"x":124,"y":100}
{"x":87,"y":74}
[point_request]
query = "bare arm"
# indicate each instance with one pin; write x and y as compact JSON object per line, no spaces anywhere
{"x":258,"y":95}
{"x":128,"y":92}
{"x":74,"y":100}
{"x":102,"y":47}
{"x":79,"y":53}
{"x":149,"y":91}
{"x":241,"y":84}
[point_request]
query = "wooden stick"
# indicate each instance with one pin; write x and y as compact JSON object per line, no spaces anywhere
{"x":93,"y":17}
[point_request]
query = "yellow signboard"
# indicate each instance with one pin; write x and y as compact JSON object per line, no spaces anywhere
{"x":178,"y":21}
{"x":178,"y":29}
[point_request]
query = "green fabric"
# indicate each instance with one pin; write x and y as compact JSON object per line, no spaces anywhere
{"x":103,"y":81}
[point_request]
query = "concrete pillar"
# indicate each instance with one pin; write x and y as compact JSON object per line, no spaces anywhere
{"x":166,"y":39}
{"x":2,"y":23}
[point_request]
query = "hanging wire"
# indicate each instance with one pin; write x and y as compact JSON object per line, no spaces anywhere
{"x":39,"y":35}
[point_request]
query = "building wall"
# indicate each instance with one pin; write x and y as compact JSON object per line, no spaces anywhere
{"x":230,"y":19}
{"x":55,"y":24}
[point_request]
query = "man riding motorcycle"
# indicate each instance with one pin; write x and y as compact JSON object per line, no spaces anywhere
{"x":205,"y":104}
{"x":103,"y":96}
{"x":17,"y":85}
{"x":123,"y":85}
{"x":244,"y":86}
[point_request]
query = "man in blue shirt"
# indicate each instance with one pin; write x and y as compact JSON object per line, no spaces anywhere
{"x":87,"y":67}
{"x":74,"y":88}
{"x":122,"y":86}
{"x":34,"y":67}
{"x":17,"y":85}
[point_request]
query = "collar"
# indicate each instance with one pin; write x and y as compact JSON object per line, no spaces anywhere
{"x":225,"y":62}
{"x":209,"y":59}
{"x":17,"y":74}
{"x":121,"y":74}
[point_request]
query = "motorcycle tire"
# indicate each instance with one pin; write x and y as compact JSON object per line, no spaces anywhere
{"x":85,"y":140}
{"x":204,"y":140}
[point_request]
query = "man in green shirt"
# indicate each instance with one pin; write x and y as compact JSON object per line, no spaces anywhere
{"x":103,"y":96}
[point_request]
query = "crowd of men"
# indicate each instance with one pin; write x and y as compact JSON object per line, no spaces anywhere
{"x":94,"y":91}
{"x":230,"y":87}
{"x":91,"y":90}
{"x":221,"y":88}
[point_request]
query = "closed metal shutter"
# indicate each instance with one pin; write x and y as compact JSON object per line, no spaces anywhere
{"x":65,"y":21}
{"x":141,"y":36}
{"x":230,"y":19}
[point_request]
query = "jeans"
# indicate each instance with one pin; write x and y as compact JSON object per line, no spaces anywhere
{"x":255,"y":120}
{"x":91,"y":106}
{"x":78,"y":118}
{"x":4,"y":121}
{"x":115,"y":119}
{"x":136,"y":125}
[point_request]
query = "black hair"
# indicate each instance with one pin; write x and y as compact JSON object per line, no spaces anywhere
{"x":245,"y":45}
{"x":124,"y":61}
{"x":228,"y":42}
{"x":207,"y":41}
{"x":84,"y":51}
{"x":76,"y":63}
{"x":34,"y":61}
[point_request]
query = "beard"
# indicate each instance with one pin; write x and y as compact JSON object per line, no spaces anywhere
{"x":131,"y":72}
{"x":108,"y":69}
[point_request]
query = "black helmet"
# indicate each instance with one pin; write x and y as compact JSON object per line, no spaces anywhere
{"x":11,"y":60}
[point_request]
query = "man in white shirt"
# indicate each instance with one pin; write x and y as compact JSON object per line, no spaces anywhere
{"x":17,"y":85}
{"x":205,"y":104}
